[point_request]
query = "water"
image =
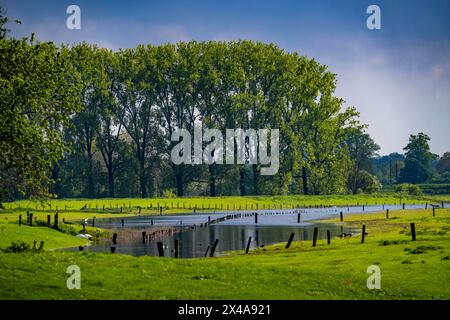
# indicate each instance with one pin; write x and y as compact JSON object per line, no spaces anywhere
{"x":274,"y":226}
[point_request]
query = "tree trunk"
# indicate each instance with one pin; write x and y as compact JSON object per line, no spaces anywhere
{"x":179,"y":178}
{"x":143,"y":178}
{"x":256,"y":173}
{"x":305,"y":181}
{"x":111,"y":182}
{"x":90,"y":174}
{"x":242,"y":181}
{"x":212,"y":180}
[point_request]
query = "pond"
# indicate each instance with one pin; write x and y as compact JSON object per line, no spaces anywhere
{"x":194,"y":235}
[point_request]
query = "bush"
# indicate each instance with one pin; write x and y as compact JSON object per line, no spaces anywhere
{"x":17,"y":247}
{"x":411,"y":189}
{"x":168,"y":193}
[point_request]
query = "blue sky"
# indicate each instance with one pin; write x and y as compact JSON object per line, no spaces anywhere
{"x":398,"y":77}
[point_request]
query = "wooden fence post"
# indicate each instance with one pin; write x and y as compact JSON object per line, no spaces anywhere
{"x":214,"y":248}
{"x":206,"y":252}
{"x":48,"y":221}
{"x":363,"y":233}
{"x":160,"y":249}
{"x":31,"y":220}
{"x":433,"y":212}
{"x":55,"y":225}
{"x":403,"y":206}
{"x":342,"y":216}
{"x":123,"y":223}
{"x":248,"y":244}
{"x":144,"y":236}
{"x":20,"y":220}
{"x":328,"y":237}
{"x":298,"y":218}
{"x":413,"y":231}
{"x":177,"y":245}
{"x":114,"y":243}
{"x":93,"y":222}
{"x":291,"y":237}
{"x":256,"y":217}
{"x":387,"y":213}
{"x":316,"y":231}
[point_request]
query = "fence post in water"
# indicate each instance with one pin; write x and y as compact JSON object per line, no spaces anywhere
{"x":328,"y":237}
{"x":363,"y":233}
{"x":442,"y":202}
{"x":160,"y":249}
{"x":413,"y":231}
{"x":177,"y":244}
{"x":256,"y":217}
{"x":363,"y":207}
{"x":114,"y":243}
{"x":248,"y":244}
{"x":387,"y":213}
{"x":316,"y":231}
{"x":144,"y":236}
{"x":122,"y":223}
{"x":298,"y":218}
{"x":93,"y":222}
{"x":426,"y":205}
{"x":288,"y":244}
{"x":209,"y":219}
{"x":342,"y":216}
{"x":56,"y":221}
{"x":20,"y":220}
{"x":214,"y":248}
{"x":403,"y":206}
{"x":206,"y":252}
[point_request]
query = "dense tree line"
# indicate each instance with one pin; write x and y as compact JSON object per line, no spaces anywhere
{"x":134,"y":99}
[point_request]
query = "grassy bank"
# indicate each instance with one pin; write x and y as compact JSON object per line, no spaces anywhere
{"x":410,"y":269}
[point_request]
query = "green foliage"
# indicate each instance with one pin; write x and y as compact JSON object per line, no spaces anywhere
{"x":17,"y":247}
{"x":418,"y":160}
{"x":411,"y":189}
{"x":38,"y":90}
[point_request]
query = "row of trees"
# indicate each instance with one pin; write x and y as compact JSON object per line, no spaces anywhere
{"x":134,"y":99}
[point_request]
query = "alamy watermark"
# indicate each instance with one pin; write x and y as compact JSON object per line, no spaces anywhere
{"x":374,"y":280}
{"x":248,"y":146}
{"x":74,"y":20}
{"x":74,"y":279}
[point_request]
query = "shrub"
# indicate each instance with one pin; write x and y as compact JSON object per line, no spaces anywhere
{"x":17,"y":247}
{"x":411,"y":189}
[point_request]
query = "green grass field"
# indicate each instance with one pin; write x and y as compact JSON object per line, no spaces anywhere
{"x":409,"y":269}
{"x":84,"y":207}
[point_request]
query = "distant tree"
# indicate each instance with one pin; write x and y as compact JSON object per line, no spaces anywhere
{"x":362,"y":149}
{"x":365,"y":182}
{"x":418,"y":160}
{"x":443,"y":165}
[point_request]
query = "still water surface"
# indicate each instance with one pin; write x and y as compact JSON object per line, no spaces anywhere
{"x":274,"y":226}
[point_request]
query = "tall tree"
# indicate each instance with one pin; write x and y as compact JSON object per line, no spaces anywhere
{"x":417,"y":160}
{"x":38,"y":90}
{"x":136,"y":95}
